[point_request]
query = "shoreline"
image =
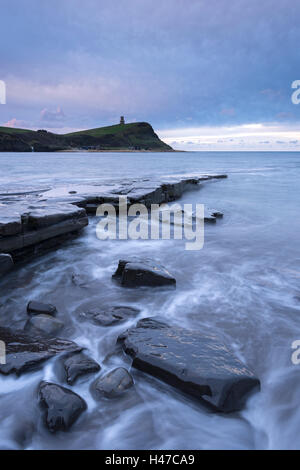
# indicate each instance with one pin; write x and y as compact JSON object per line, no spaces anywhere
{"x":46,"y":218}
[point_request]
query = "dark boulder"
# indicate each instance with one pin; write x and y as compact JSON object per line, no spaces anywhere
{"x":25,"y":353}
{"x":77,"y":365}
{"x":62,"y":406}
{"x":35,"y":308}
{"x":195,"y":363}
{"x":110,"y":315}
{"x":44,"y":325}
{"x":113,"y":384}
{"x":143,"y":272}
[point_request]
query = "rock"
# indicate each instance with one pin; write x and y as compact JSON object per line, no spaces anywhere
{"x":40,"y":216}
{"x":113,"y":384}
{"x":62,"y":406}
{"x":110,"y":315}
{"x":91,"y":208}
{"x":210,"y":215}
{"x":6,"y":263}
{"x":44,"y":325}
{"x":26,"y":228}
{"x":80,"y":280}
{"x":35,"y":308}
{"x":198,"y":364}
{"x":78,"y":365}
{"x":25,"y":353}
{"x":143,"y":272}
{"x":34,"y":221}
{"x":10,"y":224}
{"x":209,"y":218}
{"x":216,"y":214}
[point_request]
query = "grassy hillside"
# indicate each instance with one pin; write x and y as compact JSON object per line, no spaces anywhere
{"x":100,"y":131}
{"x":12,"y":130}
{"x":133,"y":136}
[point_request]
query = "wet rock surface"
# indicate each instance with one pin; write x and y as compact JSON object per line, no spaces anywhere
{"x":113,"y":384}
{"x":25,"y":352}
{"x":35,"y":308}
{"x":78,"y":365}
{"x":110,"y":315}
{"x":195,"y":363}
{"x":62,"y":406}
{"x":34,"y":221}
{"x":6,"y":263}
{"x":137,"y":272}
{"x":43,"y":325}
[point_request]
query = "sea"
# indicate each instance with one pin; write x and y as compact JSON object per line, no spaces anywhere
{"x":242,"y":286}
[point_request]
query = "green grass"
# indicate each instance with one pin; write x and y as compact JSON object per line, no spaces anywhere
{"x":12,"y":130}
{"x":99,"y":131}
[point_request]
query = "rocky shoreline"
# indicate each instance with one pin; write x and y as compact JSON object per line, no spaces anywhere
{"x":43,"y":219}
{"x":198,"y":365}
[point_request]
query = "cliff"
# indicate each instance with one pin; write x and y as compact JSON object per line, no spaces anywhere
{"x":133,"y":136}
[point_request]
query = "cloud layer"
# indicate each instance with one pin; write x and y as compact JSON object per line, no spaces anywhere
{"x":176,"y":64}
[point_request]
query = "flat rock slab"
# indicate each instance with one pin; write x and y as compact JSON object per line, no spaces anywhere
{"x":62,"y":406}
{"x":143,"y":272}
{"x":25,"y":352}
{"x":43,"y":325}
{"x":28,"y":223}
{"x":33,"y":220}
{"x":10,"y":223}
{"x":195,"y":363}
{"x":35,"y":308}
{"x":110,"y":315}
{"x":78,"y":365}
{"x":113,"y":384}
{"x":40,"y":216}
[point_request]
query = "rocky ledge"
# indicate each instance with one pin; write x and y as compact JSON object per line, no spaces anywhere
{"x":34,"y":220}
{"x":198,"y":364}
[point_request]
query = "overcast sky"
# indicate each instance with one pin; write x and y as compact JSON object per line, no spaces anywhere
{"x":207,"y":74}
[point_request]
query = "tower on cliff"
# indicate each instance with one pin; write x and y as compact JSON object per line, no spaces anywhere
{"x":122,"y":120}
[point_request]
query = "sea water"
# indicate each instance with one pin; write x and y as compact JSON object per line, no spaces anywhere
{"x":243,"y":286}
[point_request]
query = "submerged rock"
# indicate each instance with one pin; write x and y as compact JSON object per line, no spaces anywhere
{"x":44,"y":325}
{"x":78,"y":365}
{"x":143,"y":272}
{"x":80,"y":280}
{"x":62,"y":406}
{"x":113,"y":384}
{"x":195,"y":363}
{"x":35,"y":308}
{"x":25,"y":352}
{"x":110,"y":315}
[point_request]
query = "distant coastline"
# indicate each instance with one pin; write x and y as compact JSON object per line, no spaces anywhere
{"x":132,"y":137}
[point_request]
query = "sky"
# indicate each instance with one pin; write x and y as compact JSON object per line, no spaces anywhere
{"x":207,"y":74}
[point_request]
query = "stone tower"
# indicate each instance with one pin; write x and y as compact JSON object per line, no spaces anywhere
{"x":122,"y":120}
